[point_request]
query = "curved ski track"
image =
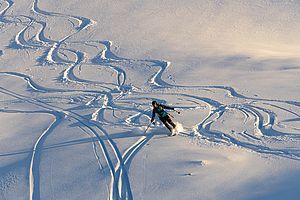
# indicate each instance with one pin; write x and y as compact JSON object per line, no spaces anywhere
{"x":118,"y":97}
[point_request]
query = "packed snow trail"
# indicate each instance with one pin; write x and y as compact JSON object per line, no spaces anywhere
{"x":102,"y":92}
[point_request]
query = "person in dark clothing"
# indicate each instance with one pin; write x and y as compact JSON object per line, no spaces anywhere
{"x":163,"y":115}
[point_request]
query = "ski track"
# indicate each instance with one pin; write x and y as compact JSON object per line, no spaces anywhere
{"x":117,"y":96}
{"x":34,"y":185}
{"x":9,"y":4}
{"x":81,"y":120}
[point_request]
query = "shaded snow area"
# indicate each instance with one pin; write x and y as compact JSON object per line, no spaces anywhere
{"x":76,"y":83}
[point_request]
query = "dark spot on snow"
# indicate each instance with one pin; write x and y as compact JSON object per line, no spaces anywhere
{"x":289,"y":68}
{"x":196,"y":163}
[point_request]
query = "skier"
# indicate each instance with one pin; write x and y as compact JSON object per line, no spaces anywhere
{"x":163,"y":116}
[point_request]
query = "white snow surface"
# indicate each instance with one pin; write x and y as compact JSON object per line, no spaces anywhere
{"x":76,"y":83}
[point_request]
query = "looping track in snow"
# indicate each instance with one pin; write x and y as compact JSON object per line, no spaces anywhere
{"x":100,"y":90}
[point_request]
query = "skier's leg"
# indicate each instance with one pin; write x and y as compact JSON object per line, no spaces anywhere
{"x":169,"y":120}
{"x":164,"y":121}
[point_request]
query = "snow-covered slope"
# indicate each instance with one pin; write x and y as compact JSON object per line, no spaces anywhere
{"x":77,"y":79}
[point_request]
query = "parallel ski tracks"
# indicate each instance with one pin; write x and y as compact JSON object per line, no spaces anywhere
{"x":120,"y":185}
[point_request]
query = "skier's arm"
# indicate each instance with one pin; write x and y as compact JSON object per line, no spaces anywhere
{"x":167,"y":107}
{"x":153,"y":116}
{"x":170,"y":108}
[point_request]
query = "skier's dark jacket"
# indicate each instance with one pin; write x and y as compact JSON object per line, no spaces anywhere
{"x":159,"y":110}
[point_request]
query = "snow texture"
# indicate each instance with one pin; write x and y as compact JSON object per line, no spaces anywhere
{"x":76,"y":83}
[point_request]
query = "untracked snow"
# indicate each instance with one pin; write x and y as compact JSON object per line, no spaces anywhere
{"x":77,"y":79}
